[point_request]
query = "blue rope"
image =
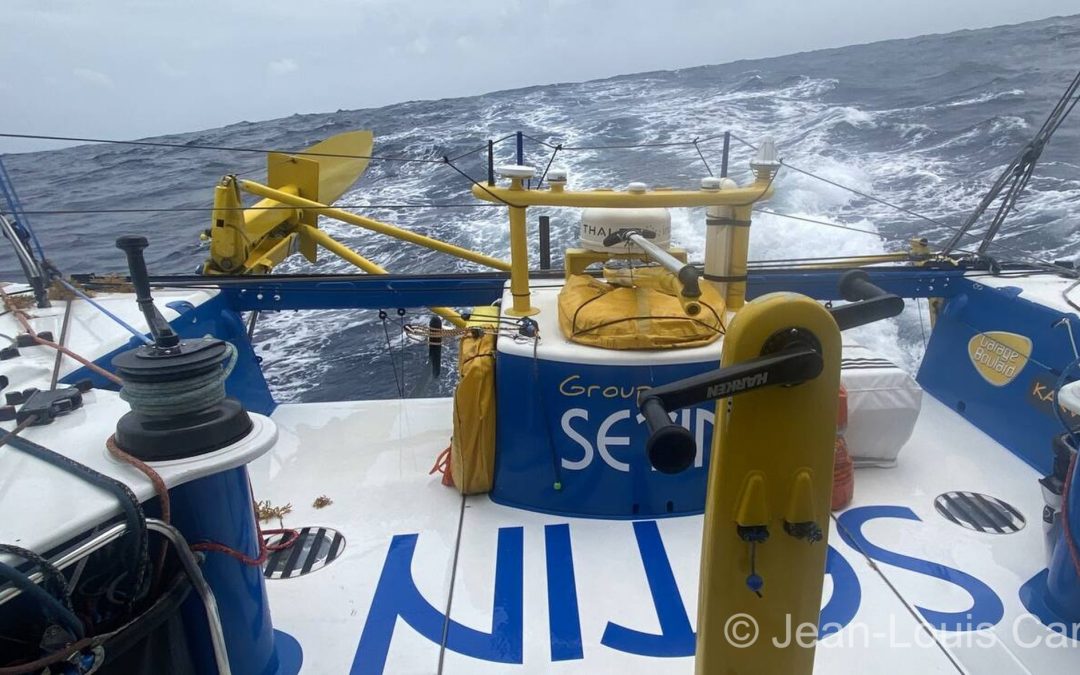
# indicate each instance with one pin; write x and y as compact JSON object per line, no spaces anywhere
{"x":7,"y":188}
{"x":131,"y":329}
{"x":53,"y":608}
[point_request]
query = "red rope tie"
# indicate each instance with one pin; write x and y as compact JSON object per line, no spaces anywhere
{"x":289,"y":537}
{"x":442,"y":465}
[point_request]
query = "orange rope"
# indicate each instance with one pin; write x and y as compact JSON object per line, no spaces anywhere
{"x":21,"y":316}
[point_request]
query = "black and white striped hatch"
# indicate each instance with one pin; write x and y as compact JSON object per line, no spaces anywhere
{"x":865,"y":363}
{"x":980,"y":512}
{"x":314,"y":548}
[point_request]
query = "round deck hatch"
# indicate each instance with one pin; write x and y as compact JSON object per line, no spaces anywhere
{"x":314,"y":548}
{"x":980,"y":512}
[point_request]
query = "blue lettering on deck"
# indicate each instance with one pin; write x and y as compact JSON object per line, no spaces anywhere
{"x":564,"y":621}
{"x":676,"y":636}
{"x":397,"y":596}
{"x":986,"y":608}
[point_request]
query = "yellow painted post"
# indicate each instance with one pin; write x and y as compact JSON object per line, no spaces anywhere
{"x":771,"y":468}
{"x":738,"y":254}
{"x":227,"y":245}
{"x":519,"y":264}
{"x":349,"y":255}
{"x":373,"y":225}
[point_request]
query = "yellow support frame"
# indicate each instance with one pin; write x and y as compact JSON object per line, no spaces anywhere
{"x":310,"y":206}
{"x":518,"y":199}
{"x":772,"y":465}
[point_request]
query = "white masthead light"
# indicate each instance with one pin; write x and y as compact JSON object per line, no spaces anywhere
{"x":767,"y":162}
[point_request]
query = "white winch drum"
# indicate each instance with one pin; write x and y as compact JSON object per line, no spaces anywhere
{"x":598,"y":223}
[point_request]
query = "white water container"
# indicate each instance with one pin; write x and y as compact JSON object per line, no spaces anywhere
{"x":598,"y":223}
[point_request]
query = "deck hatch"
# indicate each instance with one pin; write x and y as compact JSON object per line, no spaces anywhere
{"x":315,"y":548}
{"x":979,"y":512}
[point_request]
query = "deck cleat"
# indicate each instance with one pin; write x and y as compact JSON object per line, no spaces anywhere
{"x":44,"y":406}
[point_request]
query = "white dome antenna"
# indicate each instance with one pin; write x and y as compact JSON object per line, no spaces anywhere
{"x":515,"y":171}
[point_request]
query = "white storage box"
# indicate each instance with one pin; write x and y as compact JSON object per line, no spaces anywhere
{"x":883,"y":405}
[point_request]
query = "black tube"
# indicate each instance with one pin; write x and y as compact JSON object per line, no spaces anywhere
{"x":54,"y":609}
{"x":491,"y":162}
{"x":688,"y":277}
{"x":435,"y":346}
{"x":520,"y":154}
{"x":869,"y":303}
{"x":545,"y":242}
{"x":724,"y":158}
{"x":856,"y":285}
{"x":671,"y":448}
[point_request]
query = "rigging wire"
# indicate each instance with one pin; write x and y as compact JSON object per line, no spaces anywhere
{"x":702,"y":156}
{"x":401,"y":347}
{"x":548,"y":167}
{"x":1052,"y":123}
{"x":819,"y":222}
{"x":225,"y":148}
{"x":205,"y":209}
{"x":855,"y":191}
{"x":482,"y":147}
{"x":475,"y":182}
{"x":1022,"y":256}
{"x":390,"y":353}
{"x":1018,"y":172}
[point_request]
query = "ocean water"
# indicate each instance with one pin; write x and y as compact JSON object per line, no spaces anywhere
{"x":926,"y":123}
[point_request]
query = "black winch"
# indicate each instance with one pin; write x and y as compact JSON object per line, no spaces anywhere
{"x":175,"y":387}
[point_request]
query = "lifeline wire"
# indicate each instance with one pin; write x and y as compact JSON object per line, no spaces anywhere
{"x":449,"y":162}
{"x":226,"y":148}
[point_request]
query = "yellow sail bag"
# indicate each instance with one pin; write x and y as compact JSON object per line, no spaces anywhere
{"x":593,"y":312}
{"x":472,"y":449}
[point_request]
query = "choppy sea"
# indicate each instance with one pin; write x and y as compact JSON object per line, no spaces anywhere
{"x":926,"y":123}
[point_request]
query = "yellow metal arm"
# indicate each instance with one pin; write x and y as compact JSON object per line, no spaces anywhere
{"x":371,"y":224}
{"x":744,"y":196}
{"x":345,"y":253}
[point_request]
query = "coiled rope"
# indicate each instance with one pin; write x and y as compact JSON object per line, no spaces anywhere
{"x":178,"y":397}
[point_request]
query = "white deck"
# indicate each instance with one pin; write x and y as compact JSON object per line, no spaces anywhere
{"x":372,"y":459}
{"x":51,"y":505}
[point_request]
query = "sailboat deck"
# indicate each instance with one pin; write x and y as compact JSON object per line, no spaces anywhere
{"x":620,"y":596}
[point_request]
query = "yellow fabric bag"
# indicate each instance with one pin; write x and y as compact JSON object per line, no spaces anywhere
{"x":593,"y":312}
{"x":472,"y":449}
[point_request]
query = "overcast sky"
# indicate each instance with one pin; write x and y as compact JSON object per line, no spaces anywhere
{"x":135,"y":68}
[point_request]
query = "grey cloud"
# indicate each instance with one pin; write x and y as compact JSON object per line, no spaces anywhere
{"x":133,"y":68}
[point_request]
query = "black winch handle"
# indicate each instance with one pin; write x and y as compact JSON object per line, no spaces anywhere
{"x":672,"y":448}
{"x":869,"y":303}
{"x":794,"y":358}
{"x":132,"y":246}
